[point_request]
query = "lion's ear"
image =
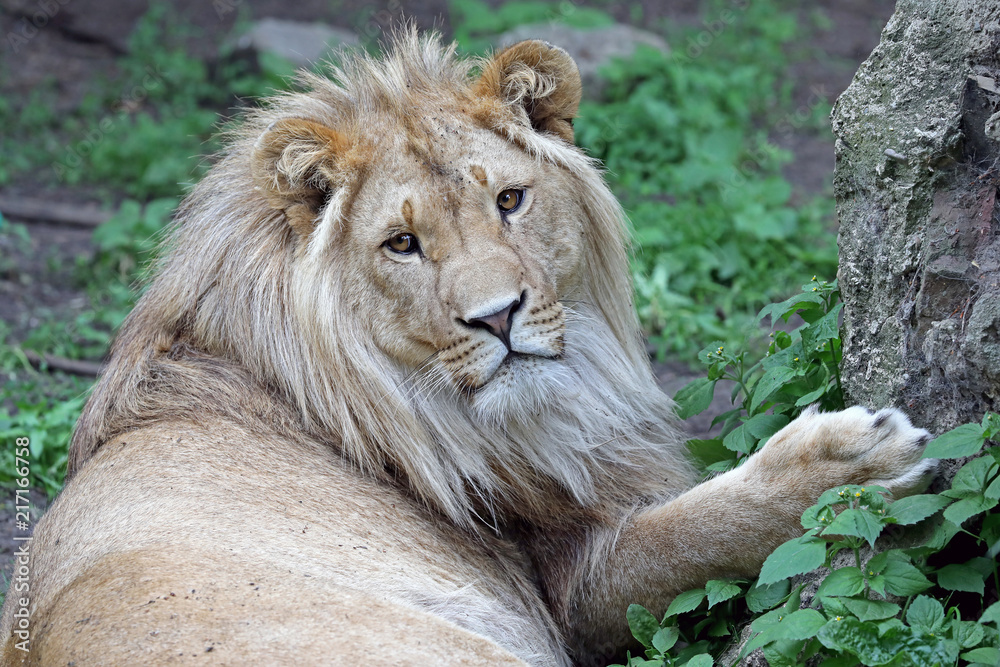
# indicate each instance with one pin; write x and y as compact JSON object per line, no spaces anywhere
{"x":538,"y":79}
{"x":295,"y":164}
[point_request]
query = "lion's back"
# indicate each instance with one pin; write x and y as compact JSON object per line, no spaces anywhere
{"x":236,"y":545}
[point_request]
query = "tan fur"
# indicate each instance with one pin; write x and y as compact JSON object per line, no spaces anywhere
{"x":310,"y":449}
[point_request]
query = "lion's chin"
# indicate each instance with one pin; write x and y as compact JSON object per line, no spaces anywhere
{"x":521,"y":388}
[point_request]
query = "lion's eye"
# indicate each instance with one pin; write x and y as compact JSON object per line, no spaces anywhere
{"x":509,"y":200}
{"x":404,"y":244}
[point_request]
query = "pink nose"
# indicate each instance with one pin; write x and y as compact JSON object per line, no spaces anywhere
{"x":499,"y":322}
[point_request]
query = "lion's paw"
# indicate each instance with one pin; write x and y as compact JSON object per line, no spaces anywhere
{"x":853,"y":446}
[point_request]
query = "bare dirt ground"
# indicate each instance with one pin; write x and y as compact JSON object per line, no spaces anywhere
{"x":80,"y":40}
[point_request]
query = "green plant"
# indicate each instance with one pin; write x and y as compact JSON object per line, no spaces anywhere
{"x":926,"y":605}
{"x":682,"y":141}
{"x":800,"y":368}
{"x":48,"y":422}
{"x":476,"y":23}
{"x":125,"y":243}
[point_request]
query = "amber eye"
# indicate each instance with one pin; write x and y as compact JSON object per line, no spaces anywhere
{"x":509,"y":200}
{"x":404,"y":244}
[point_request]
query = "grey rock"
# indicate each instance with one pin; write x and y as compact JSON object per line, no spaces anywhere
{"x":300,"y":43}
{"x":591,"y":48}
{"x":919,"y":250}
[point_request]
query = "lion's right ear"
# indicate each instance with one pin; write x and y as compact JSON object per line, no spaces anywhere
{"x":538,"y":81}
{"x":296,"y":163}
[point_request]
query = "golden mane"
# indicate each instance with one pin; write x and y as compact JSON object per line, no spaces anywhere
{"x":246,"y":320}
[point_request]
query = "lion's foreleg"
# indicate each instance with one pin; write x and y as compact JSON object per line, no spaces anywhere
{"x":727,"y":526}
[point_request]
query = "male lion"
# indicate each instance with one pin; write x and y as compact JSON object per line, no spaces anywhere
{"x":386,"y":399}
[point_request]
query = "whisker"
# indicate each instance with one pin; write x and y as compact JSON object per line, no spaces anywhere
{"x":420,"y":367}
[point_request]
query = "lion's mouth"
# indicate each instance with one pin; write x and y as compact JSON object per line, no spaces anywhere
{"x":513,"y":369}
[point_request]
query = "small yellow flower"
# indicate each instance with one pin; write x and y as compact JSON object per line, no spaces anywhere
{"x":857,"y":495}
{"x":838,"y":618}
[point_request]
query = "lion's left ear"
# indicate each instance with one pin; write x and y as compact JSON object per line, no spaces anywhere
{"x":539,"y":80}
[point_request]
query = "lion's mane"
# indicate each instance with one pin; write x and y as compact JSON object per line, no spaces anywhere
{"x":247,"y":321}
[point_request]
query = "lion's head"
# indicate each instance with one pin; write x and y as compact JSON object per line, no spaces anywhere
{"x":413,"y":262}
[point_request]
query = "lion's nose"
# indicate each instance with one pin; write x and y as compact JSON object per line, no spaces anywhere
{"x":497,"y":323}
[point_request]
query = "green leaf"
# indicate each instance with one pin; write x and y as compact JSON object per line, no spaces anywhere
{"x":904,"y":579}
{"x":913,"y":509}
{"x":642,"y":624}
{"x":941,"y":536}
{"x":740,"y":440}
{"x":893,"y":624}
{"x":967,"y":633}
{"x":801,"y":624}
{"x":992,"y":614}
{"x":878,"y":562}
{"x":818,"y":516}
{"x":787,"y":308}
{"x":985,"y":656}
{"x":797,"y":556}
{"x":812,"y":396}
{"x":704,"y":453}
{"x":700,"y":660}
{"x":925,"y":613}
{"x":764,"y":426}
{"x":966,"y":508}
{"x":845,"y":581}
{"x":957,"y":577}
{"x":877,"y":584}
{"x":685,"y":602}
{"x":720,"y":590}
{"x":665,"y":638}
{"x":882,"y":644}
{"x":719,"y":627}
{"x":993,"y":490}
{"x":972,"y":478}
{"x":856,"y":522}
{"x":861,"y":639}
{"x":823,"y":329}
{"x":695,"y":397}
{"x":871,"y":610}
{"x":783,"y":653}
{"x":957,"y":443}
{"x":761,"y":598}
{"x":769,"y":383}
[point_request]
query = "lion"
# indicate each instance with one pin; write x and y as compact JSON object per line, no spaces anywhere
{"x":387,"y":398}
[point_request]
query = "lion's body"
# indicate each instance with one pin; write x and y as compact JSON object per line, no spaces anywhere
{"x":386,"y":399}
{"x":327,"y":550}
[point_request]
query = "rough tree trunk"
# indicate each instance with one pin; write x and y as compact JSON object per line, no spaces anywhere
{"x":917,"y":170}
{"x":918,"y":142}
